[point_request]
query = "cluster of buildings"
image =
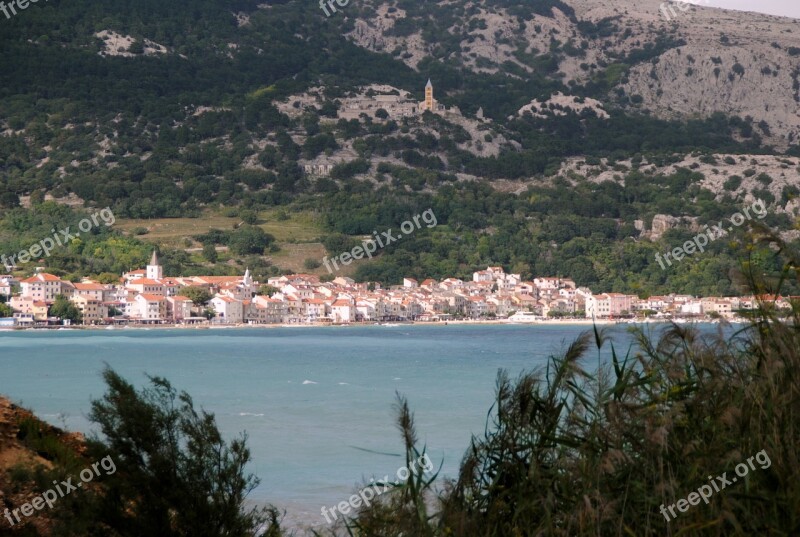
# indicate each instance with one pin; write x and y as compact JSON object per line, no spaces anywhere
{"x":397,"y":104}
{"x":148,"y":297}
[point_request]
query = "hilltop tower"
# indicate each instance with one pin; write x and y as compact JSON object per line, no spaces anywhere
{"x":428,"y":105}
{"x":154,"y":270}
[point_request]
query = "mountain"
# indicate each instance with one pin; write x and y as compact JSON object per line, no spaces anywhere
{"x":547,"y":116}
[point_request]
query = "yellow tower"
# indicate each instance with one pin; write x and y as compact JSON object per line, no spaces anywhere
{"x":429,"y":96}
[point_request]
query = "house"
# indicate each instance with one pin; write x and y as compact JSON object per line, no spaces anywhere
{"x":294,"y":307}
{"x":524,"y":302}
{"x":7,"y":284}
{"x":25,"y":320}
{"x":148,"y":307}
{"x":146,"y":286}
{"x":413,"y":308}
{"x":452,"y":283}
{"x":133,"y":275}
{"x":499,"y":306}
{"x":477,"y":307}
{"x":608,"y":305}
{"x":266,"y":310}
{"x":482,"y":276}
{"x":525,"y":288}
{"x":547,"y":284}
{"x":95,"y":291}
{"x":719,"y":306}
{"x":691,"y":307}
{"x":21,"y":304}
{"x":92,"y":309}
{"x":228,"y":310}
{"x":315,"y":309}
{"x":343,"y":311}
{"x":343,"y":281}
{"x":560,"y":305}
{"x":42,"y":286}
{"x":179,"y":308}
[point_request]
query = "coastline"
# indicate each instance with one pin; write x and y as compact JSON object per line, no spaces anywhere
{"x":547,"y":322}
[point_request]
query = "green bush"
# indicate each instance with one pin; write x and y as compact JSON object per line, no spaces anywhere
{"x":175,"y":474}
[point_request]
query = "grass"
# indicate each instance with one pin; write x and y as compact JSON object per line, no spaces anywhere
{"x":45,"y":443}
{"x":297,"y":236}
{"x":299,"y":227}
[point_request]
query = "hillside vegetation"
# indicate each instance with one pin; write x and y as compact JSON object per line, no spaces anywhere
{"x":173,"y":111}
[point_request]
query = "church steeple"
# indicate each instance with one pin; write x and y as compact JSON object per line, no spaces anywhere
{"x":428,"y":96}
{"x":154,"y":271}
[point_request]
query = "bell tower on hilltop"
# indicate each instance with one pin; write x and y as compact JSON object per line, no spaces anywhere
{"x":428,"y":96}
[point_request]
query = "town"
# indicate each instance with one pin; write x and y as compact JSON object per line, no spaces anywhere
{"x":146,"y":296}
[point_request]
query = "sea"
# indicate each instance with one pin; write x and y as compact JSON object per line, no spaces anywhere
{"x":318,"y":405}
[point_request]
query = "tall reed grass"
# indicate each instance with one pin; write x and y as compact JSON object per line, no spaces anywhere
{"x":577,"y":449}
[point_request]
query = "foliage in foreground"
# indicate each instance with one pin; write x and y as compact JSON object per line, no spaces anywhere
{"x":572,"y":449}
{"x":177,"y":475}
{"x":166,"y":472}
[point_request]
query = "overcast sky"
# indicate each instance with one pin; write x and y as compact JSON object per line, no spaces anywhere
{"x":787,"y":8}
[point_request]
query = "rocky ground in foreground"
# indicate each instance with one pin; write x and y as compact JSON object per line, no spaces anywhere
{"x":18,"y":461}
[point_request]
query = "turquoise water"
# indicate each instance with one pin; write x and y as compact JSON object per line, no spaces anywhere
{"x":312,"y":400}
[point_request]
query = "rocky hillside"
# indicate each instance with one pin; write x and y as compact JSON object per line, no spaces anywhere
{"x":683,"y":62}
{"x":26,"y":445}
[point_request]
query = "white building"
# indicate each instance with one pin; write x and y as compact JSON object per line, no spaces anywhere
{"x":42,"y":286}
{"x":228,"y":310}
{"x":148,"y":307}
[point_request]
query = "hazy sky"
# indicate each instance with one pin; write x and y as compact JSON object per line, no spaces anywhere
{"x":787,"y":8}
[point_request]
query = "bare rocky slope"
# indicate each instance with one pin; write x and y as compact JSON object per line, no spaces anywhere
{"x":738,"y":63}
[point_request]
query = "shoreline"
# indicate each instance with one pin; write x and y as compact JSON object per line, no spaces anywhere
{"x":548,"y":322}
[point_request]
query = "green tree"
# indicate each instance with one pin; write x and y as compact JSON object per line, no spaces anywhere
{"x":6,"y":311}
{"x":210,"y":253}
{"x":267,"y":290}
{"x":249,"y":216}
{"x":64,"y":309}
{"x":137,"y":47}
{"x":249,"y":240}
{"x":198,"y":295}
{"x":107,"y":277}
{"x":175,"y":474}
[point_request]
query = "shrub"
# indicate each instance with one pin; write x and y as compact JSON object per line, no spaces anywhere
{"x":176,"y":474}
{"x":733,"y":183}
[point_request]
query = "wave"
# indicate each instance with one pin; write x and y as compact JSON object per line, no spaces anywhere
{"x":310,"y":382}
{"x":250,"y":414}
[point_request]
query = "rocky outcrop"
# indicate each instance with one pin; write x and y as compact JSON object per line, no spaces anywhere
{"x":734,"y":62}
{"x":664,"y":222}
{"x":16,"y":454}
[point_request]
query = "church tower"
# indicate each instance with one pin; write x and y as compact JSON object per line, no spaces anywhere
{"x":428,"y":96}
{"x":154,"y":271}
